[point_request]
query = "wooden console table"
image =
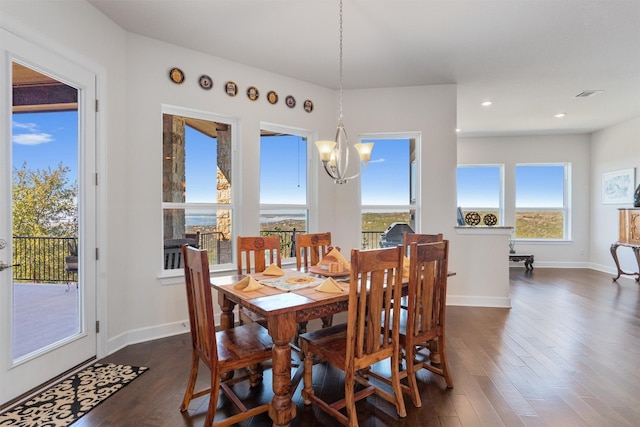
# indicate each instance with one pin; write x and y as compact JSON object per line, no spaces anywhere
{"x":629,"y":236}
{"x":527,"y":258}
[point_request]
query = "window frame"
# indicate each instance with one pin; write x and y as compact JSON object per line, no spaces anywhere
{"x":566,"y":200}
{"x":501,"y":190}
{"x":231,"y":206}
{"x":415,"y":177}
{"x":307,"y":207}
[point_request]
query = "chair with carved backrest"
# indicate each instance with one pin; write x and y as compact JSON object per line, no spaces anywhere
{"x":310,"y":249}
{"x":222,"y":352}
{"x":423,"y":323}
{"x":252,"y":254}
{"x":375,"y":280}
{"x":407,"y":239}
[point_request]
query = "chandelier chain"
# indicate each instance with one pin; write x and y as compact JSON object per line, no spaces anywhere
{"x":340,"y":113}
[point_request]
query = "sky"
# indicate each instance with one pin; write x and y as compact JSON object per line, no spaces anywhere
{"x":536,"y":186}
{"x":44,"y":140}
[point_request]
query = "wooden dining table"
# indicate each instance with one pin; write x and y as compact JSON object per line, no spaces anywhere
{"x":283,"y":310}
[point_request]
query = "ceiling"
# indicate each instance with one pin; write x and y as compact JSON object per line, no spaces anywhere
{"x":529,"y":57}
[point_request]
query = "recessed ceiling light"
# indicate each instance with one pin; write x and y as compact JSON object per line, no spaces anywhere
{"x":486,"y":103}
{"x":458,"y":130}
{"x":560,"y":115}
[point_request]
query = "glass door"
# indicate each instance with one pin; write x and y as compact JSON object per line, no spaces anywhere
{"x":47,"y":277}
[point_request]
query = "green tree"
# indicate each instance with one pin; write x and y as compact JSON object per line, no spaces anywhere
{"x":44,"y":203}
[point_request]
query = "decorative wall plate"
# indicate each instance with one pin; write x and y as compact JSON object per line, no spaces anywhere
{"x":205,"y":82}
{"x":272,"y":97}
{"x":490,"y":219}
{"x":253,"y":93}
{"x":231,"y":88}
{"x":308,"y":106}
{"x":290,"y":101}
{"x":472,"y":218}
{"x":176,"y":75}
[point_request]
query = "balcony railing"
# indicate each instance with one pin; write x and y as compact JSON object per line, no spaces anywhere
{"x":42,"y":259}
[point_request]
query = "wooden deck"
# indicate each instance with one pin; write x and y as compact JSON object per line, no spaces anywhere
{"x":566,"y":354}
{"x":43,"y":314}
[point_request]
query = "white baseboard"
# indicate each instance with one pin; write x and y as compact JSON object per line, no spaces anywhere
{"x":552,"y":264}
{"x":479,"y":301}
{"x":147,"y":334}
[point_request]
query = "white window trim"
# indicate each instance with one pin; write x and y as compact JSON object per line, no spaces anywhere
{"x":417,"y":136}
{"x":168,"y":277}
{"x":501,"y":198}
{"x":566,"y":209}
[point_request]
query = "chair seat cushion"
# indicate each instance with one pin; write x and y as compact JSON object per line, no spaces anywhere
{"x":244,"y":344}
{"x":328,"y":343}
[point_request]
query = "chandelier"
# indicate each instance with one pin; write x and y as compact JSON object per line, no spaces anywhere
{"x":334,"y":155}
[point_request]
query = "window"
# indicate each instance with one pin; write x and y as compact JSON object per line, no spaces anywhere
{"x":197,"y":199}
{"x":542,"y":201}
{"x":284,"y":207}
{"x":480,"y":189}
{"x":390,"y":187}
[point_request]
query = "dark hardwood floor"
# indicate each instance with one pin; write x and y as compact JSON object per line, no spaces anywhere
{"x":566,"y":354}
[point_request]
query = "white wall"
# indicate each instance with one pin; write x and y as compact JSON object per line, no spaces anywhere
{"x":133,"y":83}
{"x":509,"y":151}
{"x":614,"y":148}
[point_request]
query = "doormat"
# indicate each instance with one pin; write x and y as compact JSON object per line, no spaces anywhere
{"x":70,"y":399}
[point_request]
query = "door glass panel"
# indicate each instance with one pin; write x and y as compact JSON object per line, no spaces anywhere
{"x":46,"y":292}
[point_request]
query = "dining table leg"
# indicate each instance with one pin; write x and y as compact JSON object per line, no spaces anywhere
{"x":226,"y":322}
{"x":282,"y":329}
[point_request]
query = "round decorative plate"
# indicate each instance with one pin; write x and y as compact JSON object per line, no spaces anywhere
{"x":231,"y":88}
{"x":472,"y":218}
{"x":290,"y":101}
{"x":176,"y":75}
{"x":205,"y":82}
{"x":308,"y":106}
{"x":490,"y":219}
{"x":252,"y":93}
{"x":272,"y":97}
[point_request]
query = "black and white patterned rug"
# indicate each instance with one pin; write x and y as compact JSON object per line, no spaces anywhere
{"x":71,"y":398}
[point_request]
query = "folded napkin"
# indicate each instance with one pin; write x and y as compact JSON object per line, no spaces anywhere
{"x":330,"y":285}
{"x":248,"y":284}
{"x":273,"y":270}
{"x":405,"y":267}
{"x":334,"y":255}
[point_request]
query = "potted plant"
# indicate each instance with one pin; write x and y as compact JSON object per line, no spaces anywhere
{"x":72,"y":258}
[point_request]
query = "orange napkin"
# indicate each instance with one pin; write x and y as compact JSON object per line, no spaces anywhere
{"x":331,"y":286}
{"x":405,"y":268}
{"x":248,"y":284}
{"x":334,"y":255}
{"x":273,"y":270}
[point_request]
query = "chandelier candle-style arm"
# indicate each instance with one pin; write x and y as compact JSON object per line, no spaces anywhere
{"x":334,"y":155}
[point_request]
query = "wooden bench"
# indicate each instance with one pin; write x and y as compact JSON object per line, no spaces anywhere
{"x":527,"y":258}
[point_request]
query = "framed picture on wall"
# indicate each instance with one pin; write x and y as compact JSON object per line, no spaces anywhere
{"x":618,"y":186}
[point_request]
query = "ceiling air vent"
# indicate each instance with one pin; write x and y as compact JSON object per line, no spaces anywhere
{"x":588,"y":93}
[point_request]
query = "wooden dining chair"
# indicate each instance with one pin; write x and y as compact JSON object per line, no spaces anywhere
{"x":222,"y":352}
{"x":254,"y":251}
{"x":310,"y":249}
{"x":375,"y":280}
{"x":423,"y":323}
{"x":252,"y":255}
{"x":409,"y":238}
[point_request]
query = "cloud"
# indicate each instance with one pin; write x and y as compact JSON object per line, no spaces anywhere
{"x":377,"y":161}
{"x":34,"y":137}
